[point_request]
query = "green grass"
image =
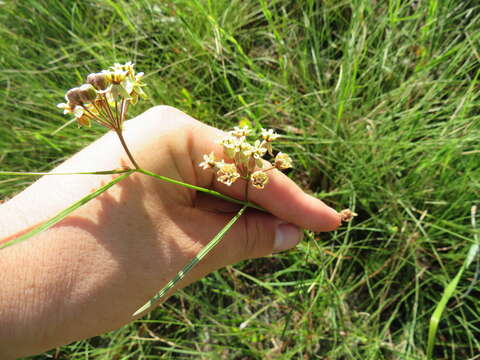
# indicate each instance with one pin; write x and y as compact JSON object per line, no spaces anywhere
{"x":379,"y":102}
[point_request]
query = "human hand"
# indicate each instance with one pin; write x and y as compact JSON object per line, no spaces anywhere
{"x":90,"y":272}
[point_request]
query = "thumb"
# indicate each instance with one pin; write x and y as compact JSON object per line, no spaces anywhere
{"x":264,"y":234}
{"x":254,"y":235}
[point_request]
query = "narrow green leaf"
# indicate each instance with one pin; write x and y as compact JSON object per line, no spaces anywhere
{"x":437,"y":314}
{"x":104,"y":172}
{"x":451,"y":287}
{"x":65,"y":212}
{"x":191,"y":264}
{"x":198,"y":188}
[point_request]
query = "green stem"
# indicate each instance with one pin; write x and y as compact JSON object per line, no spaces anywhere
{"x":123,"y":174}
{"x":451,"y":288}
{"x":198,"y":188}
{"x":146,"y":172}
{"x":124,"y":144}
{"x":109,"y":110}
{"x":105,"y":172}
{"x":246,"y":189}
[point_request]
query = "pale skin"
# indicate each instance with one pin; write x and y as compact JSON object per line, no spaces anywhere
{"x":89,"y":273}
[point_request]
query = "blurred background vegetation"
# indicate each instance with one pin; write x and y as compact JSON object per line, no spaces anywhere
{"x":378,"y":102}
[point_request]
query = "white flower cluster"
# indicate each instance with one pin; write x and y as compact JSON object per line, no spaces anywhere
{"x":105,"y":97}
{"x":248,"y":162}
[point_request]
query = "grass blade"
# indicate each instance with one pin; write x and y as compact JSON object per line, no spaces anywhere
{"x":186,"y":269}
{"x":65,"y":212}
{"x":104,"y":172}
{"x":450,"y":290}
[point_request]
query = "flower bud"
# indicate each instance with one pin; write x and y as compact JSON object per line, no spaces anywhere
{"x":73,"y":96}
{"x":99,"y":80}
{"x":347,"y":215}
{"x":283,"y":161}
{"x":259,"y":179}
{"x":87,"y":93}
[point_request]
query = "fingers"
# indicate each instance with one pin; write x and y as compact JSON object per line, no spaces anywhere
{"x":284,"y":199}
{"x":281,"y":196}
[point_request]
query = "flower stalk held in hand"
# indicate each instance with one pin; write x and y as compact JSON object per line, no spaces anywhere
{"x":105,"y":99}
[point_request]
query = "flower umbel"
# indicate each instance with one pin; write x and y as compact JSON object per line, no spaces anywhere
{"x":105,"y":97}
{"x":247,"y":158}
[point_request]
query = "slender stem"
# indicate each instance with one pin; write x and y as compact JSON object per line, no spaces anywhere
{"x":142,"y":171}
{"x":102,"y":112}
{"x":247,"y":183}
{"x":107,"y":106}
{"x":123,"y":111}
{"x":117,"y":116}
{"x":105,"y":172}
{"x":126,"y":110}
{"x":93,"y":116}
{"x":270,"y":168}
{"x":198,"y":188}
{"x":124,"y":144}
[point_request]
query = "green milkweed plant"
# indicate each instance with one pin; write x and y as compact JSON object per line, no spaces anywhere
{"x":105,"y":99}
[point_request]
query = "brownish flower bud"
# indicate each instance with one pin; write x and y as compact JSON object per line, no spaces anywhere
{"x":87,"y":93}
{"x":73,"y":96}
{"x":99,"y":80}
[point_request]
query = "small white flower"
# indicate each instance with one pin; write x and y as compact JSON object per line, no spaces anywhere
{"x":208,"y":161}
{"x":127,"y":68}
{"x":240,"y":132}
{"x":67,"y":108}
{"x":258,"y":150}
{"x":255,"y":154}
{"x":81,"y":115}
{"x":117,"y":75}
{"x":269,"y":135}
{"x":231,"y":145}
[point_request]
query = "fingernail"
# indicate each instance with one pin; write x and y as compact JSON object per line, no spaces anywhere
{"x":286,"y":237}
